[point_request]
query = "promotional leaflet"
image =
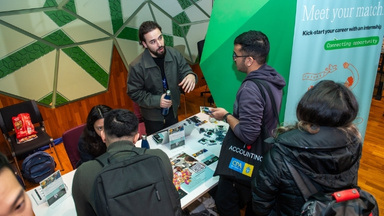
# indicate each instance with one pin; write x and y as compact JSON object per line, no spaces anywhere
{"x":189,"y":172}
{"x":50,"y":190}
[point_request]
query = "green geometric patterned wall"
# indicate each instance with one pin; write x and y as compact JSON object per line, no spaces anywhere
{"x":60,"y":51}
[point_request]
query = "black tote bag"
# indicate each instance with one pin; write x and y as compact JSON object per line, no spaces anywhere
{"x":238,"y":162}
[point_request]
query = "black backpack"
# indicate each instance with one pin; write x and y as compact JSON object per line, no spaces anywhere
{"x":38,"y":166}
{"x":136,"y":185}
{"x":352,"y":202}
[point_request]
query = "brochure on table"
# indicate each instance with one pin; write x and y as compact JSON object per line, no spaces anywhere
{"x":51,"y":189}
{"x":194,"y":154}
{"x":176,"y":137}
{"x":194,"y":165}
{"x":189,"y":171}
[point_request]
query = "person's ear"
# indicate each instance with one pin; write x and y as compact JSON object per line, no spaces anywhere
{"x":136,"y":137}
{"x":102,"y":135}
{"x":250,"y":61}
{"x":144,"y":44}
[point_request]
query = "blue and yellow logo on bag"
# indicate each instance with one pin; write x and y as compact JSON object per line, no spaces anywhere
{"x":241,"y":167}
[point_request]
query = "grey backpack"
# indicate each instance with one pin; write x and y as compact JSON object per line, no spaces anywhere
{"x":134,"y":184}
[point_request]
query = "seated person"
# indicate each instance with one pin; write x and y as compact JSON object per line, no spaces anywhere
{"x":13,"y":199}
{"x":90,"y":144}
{"x":120,"y":134}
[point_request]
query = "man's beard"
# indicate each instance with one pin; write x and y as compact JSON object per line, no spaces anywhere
{"x":157,"y":54}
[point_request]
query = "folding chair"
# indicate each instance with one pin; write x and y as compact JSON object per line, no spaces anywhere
{"x":21,"y":150}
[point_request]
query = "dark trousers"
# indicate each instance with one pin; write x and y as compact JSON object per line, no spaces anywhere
{"x":232,"y":196}
{"x":155,"y":126}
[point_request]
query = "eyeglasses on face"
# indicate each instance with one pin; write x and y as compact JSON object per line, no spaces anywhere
{"x":235,"y":56}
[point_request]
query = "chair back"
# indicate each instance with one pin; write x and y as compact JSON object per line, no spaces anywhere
{"x":2,"y":125}
{"x":8,"y":112}
{"x":70,"y":141}
{"x":136,"y":110}
{"x":200,"y":46}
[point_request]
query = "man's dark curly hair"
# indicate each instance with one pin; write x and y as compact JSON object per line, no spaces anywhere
{"x":120,"y":122}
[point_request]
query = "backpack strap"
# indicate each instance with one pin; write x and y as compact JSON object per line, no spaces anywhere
{"x":260,"y":83}
{"x":302,"y":182}
{"x":105,"y":158}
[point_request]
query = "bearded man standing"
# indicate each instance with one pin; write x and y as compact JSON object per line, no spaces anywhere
{"x":158,"y":69}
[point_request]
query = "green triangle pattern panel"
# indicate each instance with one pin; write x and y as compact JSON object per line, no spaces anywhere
{"x":23,"y":57}
{"x":168,"y":40}
{"x":88,"y":64}
{"x":47,"y":100}
{"x":129,"y":34}
{"x":181,"y":31}
{"x":50,"y":3}
{"x":185,"y":3}
{"x":71,"y":6}
{"x":60,"y":17}
{"x":59,"y":38}
{"x":116,"y":14}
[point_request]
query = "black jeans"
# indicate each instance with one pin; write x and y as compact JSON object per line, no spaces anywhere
{"x":155,"y":126}
{"x":232,"y":196}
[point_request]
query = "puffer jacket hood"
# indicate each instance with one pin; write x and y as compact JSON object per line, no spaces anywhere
{"x":329,"y":158}
{"x":331,"y":163}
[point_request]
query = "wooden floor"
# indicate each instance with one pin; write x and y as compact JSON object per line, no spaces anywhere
{"x":371,"y":173}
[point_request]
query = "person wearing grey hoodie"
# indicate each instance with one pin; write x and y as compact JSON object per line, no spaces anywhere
{"x":250,"y":110}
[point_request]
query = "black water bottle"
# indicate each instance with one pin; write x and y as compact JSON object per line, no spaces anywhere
{"x":167,"y":96}
{"x":144,"y":142}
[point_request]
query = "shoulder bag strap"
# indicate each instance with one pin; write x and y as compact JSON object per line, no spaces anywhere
{"x":105,"y":158}
{"x":102,"y":159}
{"x":273,"y":102}
{"x":259,"y":84}
{"x":303,"y":183}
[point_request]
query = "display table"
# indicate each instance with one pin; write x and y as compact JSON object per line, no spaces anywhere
{"x":204,"y":156}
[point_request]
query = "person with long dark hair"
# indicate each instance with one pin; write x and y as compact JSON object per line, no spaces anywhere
{"x":324,"y":145}
{"x":90,"y":143}
{"x":120,"y":135}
